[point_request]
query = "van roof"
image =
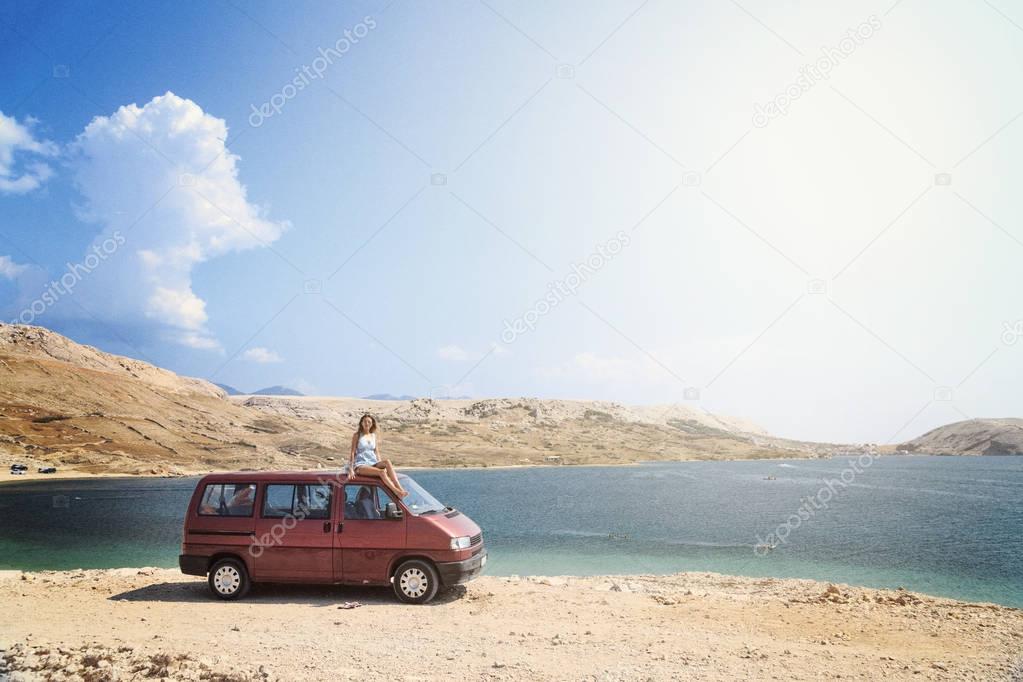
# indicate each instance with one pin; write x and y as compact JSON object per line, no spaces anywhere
{"x":310,"y":475}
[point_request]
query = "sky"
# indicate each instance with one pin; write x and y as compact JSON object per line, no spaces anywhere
{"x":802,"y":213}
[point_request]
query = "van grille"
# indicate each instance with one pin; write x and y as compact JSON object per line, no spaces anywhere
{"x":476,"y":539}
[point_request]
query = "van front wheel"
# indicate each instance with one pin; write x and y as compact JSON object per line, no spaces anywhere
{"x":416,"y":582}
{"x":229,"y":579}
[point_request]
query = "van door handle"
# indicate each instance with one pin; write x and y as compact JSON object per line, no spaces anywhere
{"x":340,"y":527}
{"x":326,"y":526}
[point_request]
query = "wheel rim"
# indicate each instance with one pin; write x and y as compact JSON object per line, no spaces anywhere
{"x":414,"y":583}
{"x":227,"y":580}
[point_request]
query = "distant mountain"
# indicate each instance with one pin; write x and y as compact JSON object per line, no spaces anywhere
{"x":390,"y":396}
{"x":972,"y":437}
{"x":270,"y":390}
{"x":277,"y":390}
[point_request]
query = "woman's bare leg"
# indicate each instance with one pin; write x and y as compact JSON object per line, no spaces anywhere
{"x":373,"y":472}
{"x":390,"y":477}
{"x":394,"y":475}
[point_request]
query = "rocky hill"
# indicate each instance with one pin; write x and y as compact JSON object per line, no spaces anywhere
{"x":39,"y":343}
{"x":971,"y":437}
{"x":538,"y":431}
{"x":80,"y":409}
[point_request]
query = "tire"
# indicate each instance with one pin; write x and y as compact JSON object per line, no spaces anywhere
{"x":416,"y":582}
{"x":229,"y":580}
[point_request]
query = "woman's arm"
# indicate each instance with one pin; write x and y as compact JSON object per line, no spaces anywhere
{"x":351,"y":454}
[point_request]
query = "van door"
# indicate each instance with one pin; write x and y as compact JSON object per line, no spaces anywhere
{"x":368,"y":539}
{"x":294,"y":539}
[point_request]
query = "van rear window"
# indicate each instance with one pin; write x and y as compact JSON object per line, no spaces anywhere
{"x":227,"y":499}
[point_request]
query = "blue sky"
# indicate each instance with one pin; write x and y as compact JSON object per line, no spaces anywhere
{"x":833,"y":254}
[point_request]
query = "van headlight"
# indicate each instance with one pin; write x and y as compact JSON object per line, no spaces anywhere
{"x":460,"y":543}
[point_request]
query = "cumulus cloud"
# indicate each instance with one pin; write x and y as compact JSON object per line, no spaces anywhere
{"x":610,"y":369}
{"x":452,"y":352}
{"x":9,"y":269}
{"x":22,"y":156}
{"x":161,"y":176}
{"x":262,"y":355}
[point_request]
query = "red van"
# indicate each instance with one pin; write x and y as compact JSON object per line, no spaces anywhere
{"x":325,"y":527}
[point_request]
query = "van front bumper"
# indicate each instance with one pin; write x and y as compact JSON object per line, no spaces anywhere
{"x":193,"y":565}
{"x":455,"y":572}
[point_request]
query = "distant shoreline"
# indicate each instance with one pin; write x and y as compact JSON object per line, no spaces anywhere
{"x":74,"y":475}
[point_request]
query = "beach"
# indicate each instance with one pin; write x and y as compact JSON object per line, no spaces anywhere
{"x":157,"y":623}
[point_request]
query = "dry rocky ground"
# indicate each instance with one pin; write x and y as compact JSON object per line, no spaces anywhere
{"x":971,"y":437}
{"x":89,"y":412}
{"x":140,"y":624}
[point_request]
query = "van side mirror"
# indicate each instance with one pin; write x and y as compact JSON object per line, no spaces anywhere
{"x":393,"y":512}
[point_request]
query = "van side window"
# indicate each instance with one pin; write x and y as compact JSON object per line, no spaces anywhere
{"x":300,"y":501}
{"x":227,"y":499}
{"x":365,"y":502}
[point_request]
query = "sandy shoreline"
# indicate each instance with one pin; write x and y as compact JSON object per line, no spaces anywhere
{"x":77,"y":475}
{"x":73,"y":474}
{"x":151,"y":623}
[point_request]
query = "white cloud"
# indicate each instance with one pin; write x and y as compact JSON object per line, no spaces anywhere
{"x":262,"y":355}
{"x":452,"y":352}
{"x":595,"y":368}
{"x":9,"y":269}
{"x":181,"y":306}
{"x":198,"y":341}
{"x":456,"y":353}
{"x":306,"y":387}
{"x":17,"y":140}
{"x":161,"y":176}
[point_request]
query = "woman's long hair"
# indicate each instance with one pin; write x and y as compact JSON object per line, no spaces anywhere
{"x":372,"y":429}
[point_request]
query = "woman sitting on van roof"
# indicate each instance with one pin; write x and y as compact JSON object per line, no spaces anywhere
{"x":364,"y":459}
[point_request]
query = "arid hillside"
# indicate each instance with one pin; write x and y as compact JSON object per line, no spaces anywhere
{"x":971,"y":437}
{"x":533,"y":431}
{"x":83,"y":410}
{"x":77,"y":408}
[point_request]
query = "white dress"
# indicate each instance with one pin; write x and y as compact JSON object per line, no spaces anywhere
{"x":366,"y":450}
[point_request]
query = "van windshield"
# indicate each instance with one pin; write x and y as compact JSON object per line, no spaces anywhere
{"x":419,"y":501}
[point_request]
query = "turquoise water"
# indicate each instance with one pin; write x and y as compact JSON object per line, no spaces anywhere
{"x":942,"y":525}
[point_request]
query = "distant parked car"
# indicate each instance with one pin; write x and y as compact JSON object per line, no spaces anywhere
{"x":47,"y":470}
{"x":17,"y":472}
{"x":19,"y":467}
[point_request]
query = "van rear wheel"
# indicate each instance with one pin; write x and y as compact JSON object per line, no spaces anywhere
{"x":416,"y":582}
{"x":229,"y":579}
